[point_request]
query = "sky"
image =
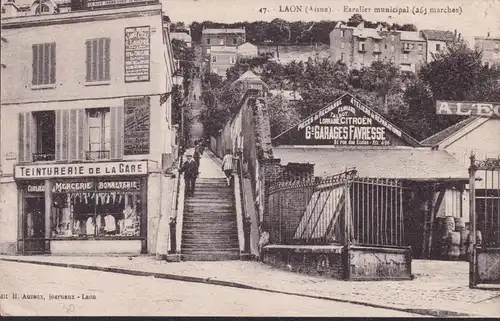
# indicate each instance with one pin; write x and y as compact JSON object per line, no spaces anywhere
{"x":475,"y":17}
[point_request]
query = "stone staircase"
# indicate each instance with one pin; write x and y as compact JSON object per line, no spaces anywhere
{"x":209,"y":231}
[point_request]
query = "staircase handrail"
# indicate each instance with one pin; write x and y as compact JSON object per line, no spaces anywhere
{"x":239,"y":205}
{"x":179,"y":208}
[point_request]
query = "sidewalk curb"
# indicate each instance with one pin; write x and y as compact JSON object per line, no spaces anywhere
{"x":193,"y":279}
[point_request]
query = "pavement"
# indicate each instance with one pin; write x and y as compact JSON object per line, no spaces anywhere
{"x":71,"y":292}
{"x":440,"y":288}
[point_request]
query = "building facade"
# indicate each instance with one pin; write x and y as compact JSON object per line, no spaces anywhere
{"x":358,"y":46}
{"x":227,"y":38}
{"x":437,"y":41}
{"x":221,"y":59}
{"x":86,"y":130}
{"x":490,"y":47}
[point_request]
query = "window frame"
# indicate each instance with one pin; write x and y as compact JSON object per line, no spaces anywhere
{"x":104,"y":133}
{"x":98,"y":49}
{"x":44,"y":75}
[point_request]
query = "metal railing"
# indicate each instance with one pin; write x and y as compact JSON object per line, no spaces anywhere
{"x":97,"y":154}
{"x":43,"y":157}
{"x":341,"y":209}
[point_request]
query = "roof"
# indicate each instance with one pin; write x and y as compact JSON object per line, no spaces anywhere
{"x":417,"y":164}
{"x":411,"y":36}
{"x":181,"y":36}
{"x":445,"y":133}
{"x":223,"y":49}
{"x":438,"y":35}
{"x":288,"y":94}
{"x":367,"y":33}
{"x":223,"y":31}
{"x":249,"y":75}
{"x":247,"y":45}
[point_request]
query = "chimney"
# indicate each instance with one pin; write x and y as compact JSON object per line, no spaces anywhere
{"x":488,"y":34}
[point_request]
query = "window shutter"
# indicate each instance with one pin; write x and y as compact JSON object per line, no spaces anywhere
{"x":73,"y":134}
{"x":35,"y":65}
{"x":116,"y":114}
{"x":94,"y":75}
{"x":76,"y":140}
{"x":88,"y":62}
{"x":27,"y":136}
{"x":45,"y":61}
{"x":62,"y":126}
{"x":53,"y":63}
{"x":107,"y":58}
{"x":82,"y":133}
{"x":100,"y":59}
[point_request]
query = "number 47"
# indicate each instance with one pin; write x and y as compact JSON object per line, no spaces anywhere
{"x":263,"y":10}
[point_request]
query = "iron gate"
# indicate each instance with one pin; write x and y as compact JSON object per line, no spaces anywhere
{"x":485,"y":221}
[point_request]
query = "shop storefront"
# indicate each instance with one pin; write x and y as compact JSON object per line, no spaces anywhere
{"x":82,"y":208}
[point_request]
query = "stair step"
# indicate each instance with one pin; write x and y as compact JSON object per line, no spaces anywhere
{"x":211,"y":256}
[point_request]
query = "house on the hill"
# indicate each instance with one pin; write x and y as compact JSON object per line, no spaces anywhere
{"x":437,"y":41}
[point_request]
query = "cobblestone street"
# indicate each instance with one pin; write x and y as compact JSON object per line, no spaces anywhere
{"x":110,"y":294}
{"x":438,"y":285}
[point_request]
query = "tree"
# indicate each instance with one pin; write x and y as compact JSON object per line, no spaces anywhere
{"x":355,"y":20}
{"x":282,"y":114}
{"x":380,"y":76}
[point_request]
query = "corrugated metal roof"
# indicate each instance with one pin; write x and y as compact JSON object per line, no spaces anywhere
{"x":445,"y":133}
{"x":438,"y":35}
{"x":418,"y":164}
{"x":219,"y":31}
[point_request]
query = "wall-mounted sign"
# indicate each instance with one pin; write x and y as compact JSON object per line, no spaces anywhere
{"x":345,"y":122}
{"x":77,"y":186}
{"x":112,"y":3}
{"x":81,"y":170}
{"x":490,"y":110}
{"x":136,"y":126}
{"x":137,"y":53}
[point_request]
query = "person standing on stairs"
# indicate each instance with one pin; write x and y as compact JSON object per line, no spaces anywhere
{"x":198,"y":151}
{"x":227,"y":166}
{"x":190,"y":170}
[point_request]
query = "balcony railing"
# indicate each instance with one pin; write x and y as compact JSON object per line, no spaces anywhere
{"x":97,"y":154}
{"x":43,"y":157}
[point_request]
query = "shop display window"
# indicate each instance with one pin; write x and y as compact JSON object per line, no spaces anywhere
{"x":101,"y":211}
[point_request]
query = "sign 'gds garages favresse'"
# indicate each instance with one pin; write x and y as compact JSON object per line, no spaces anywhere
{"x":345,"y":122}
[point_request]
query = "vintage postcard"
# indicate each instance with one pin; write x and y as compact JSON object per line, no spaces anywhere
{"x":250,"y":158}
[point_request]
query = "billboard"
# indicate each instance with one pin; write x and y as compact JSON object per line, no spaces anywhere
{"x":465,"y":108}
{"x":345,"y":122}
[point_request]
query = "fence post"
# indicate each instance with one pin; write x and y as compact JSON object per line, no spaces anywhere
{"x":472,"y":214}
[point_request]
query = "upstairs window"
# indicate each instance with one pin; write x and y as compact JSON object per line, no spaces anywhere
{"x":98,"y":59}
{"x":214,"y":59}
{"x":45,"y":144}
{"x":99,"y":133}
{"x":235,"y":41}
{"x":44,"y":64}
{"x":438,"y":47}
{"x":342,"y":57}
{"x":342,"y":45}
{"x":208,"y":41}
{"x":232,"y":60}
{"x":420,"y":47}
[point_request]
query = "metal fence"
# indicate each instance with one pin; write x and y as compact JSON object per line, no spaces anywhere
{"x":485,"y":216}
{"x":341,"y":209}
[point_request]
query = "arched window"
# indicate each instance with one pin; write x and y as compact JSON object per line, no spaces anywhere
{"x":42,"y":9}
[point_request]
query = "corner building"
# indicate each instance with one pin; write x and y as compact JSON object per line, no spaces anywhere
{"x":86,"y":130}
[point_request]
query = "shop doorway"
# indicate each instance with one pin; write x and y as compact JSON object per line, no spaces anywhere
{"x":34,"y":225}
